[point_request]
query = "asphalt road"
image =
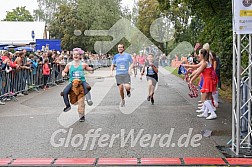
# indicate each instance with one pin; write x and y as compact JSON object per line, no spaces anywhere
{"x":36,"y":127}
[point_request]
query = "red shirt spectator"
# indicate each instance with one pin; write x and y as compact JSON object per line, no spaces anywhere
{"x":8,"y":57}
{"x":46,"y":69}
{"x":141,"y":60}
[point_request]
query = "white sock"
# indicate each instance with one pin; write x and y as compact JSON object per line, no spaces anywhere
{"x":88,"y":96}
{"x":81,"y":115}
{"x":205,"y":111}
{"x":203,"y":107}
{"x":209,"y":106}
{"x":211,"y":103}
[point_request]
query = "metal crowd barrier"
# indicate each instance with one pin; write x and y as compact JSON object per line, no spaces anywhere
{"x":99,"y":63}
{"x":24,"y":80}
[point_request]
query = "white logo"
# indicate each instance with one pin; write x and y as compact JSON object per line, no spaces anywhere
{"x":133,"y":138}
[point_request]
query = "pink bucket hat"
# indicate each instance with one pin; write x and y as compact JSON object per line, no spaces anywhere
{"x":79,"y":50}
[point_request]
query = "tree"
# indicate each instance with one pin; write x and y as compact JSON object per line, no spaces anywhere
{"x":84,"y":15}
{"x":47,"y":8}
{"x":134,"y":14}
{"x":149,"y":11}
{"x":62,"y":27}
{"x":98,"y":15}
{"x":211,"y":21}
{"x":18,"y":14}
{"x":217,"y":29}
{"x":179,"y":14}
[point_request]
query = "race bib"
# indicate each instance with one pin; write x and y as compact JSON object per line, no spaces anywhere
{"x":78,"y":74}
{"x":122,"y":67}
{"x":150,"y":71}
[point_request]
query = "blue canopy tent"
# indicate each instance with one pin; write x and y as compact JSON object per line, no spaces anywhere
{"x":9,"y":47}
{"x":28,"y":49}
{"x":2,"y":46}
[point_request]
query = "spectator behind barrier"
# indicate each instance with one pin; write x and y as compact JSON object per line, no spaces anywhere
{"x":21,"y":71}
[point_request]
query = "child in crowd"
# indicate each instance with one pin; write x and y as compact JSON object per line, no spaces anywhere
{"x":46,"y":72}
{"x":8,"y":67}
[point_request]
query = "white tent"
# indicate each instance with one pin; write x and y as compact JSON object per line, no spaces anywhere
{"x":13,"y":32}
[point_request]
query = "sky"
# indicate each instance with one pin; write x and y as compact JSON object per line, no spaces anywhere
{"x":31,"y":5}
{"x":128,"y":3}
{"x":12,"y":4}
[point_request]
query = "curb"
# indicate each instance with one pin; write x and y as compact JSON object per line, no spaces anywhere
{"x":126,"y":161}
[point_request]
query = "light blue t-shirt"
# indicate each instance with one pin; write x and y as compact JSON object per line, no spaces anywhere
{"x":116,"y":57}
{"x":122,"y":63}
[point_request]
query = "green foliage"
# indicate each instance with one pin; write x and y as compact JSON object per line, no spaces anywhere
{"x":47,"y":8}
{"x":98,"y":15}
{"x":217,"y":30}
{"x":179,"y":14}
{"x":149,"y":11}
{"x":84,"y":15}
{"x":194,"y":30}
{"x":211,"y":21}
{"x":164,"y":4}
{"x":63,"y":26}
{"x":219,"y":35}
{"x":18,"y":14}
{"x":134,"y":15}
{"x":176,"y":11}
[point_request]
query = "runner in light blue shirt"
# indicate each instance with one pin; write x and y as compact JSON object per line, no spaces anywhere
{"x":123,"y":62}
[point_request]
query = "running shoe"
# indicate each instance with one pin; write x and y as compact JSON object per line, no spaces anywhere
{"x":203,"y":115}
{"x":128,"y":93}
{"x":90,"y":102}
{"x":82,"y":119}
{"x":199,"y":111}
{"x":67,"y":108}
{"x":148,"y":98}
{"x":212,"y":116}
{"x":2,"y":103}
{"x":152,"y":100}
